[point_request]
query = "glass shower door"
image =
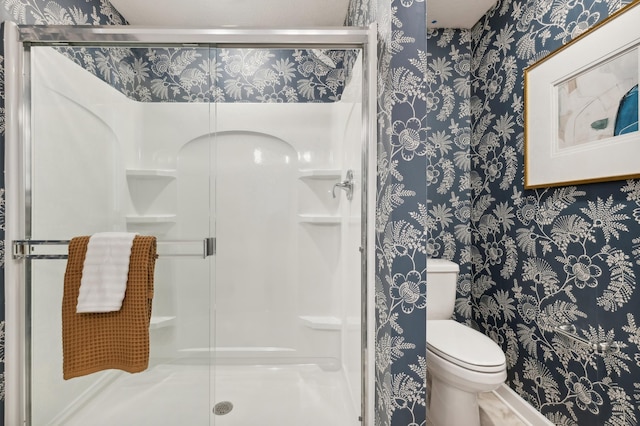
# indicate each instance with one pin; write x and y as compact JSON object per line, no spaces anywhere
{"x":287,"y":328}
{"x":245,"y":151}
{"x":121,"y":141}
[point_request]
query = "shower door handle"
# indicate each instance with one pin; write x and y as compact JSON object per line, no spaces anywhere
{"x":346,"y":185}
{"x":26,"y":249}
{"x":209,"y":247}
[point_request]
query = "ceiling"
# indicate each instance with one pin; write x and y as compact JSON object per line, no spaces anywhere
{"x":456,"y":13}
{"x":279,"y":13}
{"x":233,"y":13}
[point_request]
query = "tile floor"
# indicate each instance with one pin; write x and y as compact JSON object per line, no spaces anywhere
{"x":493,"y":412}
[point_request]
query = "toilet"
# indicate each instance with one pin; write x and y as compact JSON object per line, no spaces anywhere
{"x":461,"y":362}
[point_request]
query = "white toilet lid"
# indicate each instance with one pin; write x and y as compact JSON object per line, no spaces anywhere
{"x":464,"y":346}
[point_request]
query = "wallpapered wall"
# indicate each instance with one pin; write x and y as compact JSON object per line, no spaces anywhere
{"x":537,"y":258}
{"x":219,"y":75}
{"x":448,"y":171}
{"x":401,"y":209}
{"x":401,"y":212}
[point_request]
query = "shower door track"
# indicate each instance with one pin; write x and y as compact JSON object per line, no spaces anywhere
{"x":19,"y":39}
{"x":304,"y":38}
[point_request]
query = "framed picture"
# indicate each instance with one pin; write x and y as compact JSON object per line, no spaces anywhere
{"x":581,"y":107}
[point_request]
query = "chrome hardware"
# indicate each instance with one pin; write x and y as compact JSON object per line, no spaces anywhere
{"x":222,"y":408}
{"x":346,"y":185}
{"x":209,"y":248}
{"x":570,"y":332}
{"x":24,"y":249}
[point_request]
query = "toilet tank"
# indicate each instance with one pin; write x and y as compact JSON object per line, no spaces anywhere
{"x":442,"y":279}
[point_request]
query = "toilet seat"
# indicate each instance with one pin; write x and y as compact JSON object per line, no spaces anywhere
{"x":464,"y":346}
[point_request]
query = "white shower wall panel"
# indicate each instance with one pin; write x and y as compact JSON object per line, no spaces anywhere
{"x":314,"y":130}
{"x":254,"y":152}
{"x":314,"y":134}
{"x":255,"y":232}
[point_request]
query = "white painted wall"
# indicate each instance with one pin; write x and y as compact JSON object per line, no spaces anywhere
{"x":278,"y":288}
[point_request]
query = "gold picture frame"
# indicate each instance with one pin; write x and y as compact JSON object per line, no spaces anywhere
{"x":581,"y":107}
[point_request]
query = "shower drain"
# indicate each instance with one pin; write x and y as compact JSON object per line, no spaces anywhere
{"x":222,"y":408}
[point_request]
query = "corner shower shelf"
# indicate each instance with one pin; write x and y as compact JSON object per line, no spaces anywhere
{"x":151,"y":173}
{"x":321,"y":322}
{"x":157,"y":218}
{"x":161,"y":322}
{"x":319,"y":219}
{"x":320,"y":174}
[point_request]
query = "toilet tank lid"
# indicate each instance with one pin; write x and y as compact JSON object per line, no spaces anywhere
{"x":442,"y":265}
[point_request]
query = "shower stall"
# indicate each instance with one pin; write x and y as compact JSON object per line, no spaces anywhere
{"x":260,"y":197}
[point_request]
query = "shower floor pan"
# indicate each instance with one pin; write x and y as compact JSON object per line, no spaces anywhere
{"x":177,"y":394}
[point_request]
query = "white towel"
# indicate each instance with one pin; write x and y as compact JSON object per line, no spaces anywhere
{"x":105,"y":272}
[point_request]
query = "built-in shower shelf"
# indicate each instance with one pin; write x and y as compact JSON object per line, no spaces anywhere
{"x":325,"y":174}
{"x":151,"y":173}
{"x":319,"y":219}
{"x":321,"y":322}
{"x":157,"y":218}
{"x":161,"y":322}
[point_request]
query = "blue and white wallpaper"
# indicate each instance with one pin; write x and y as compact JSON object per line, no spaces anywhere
{"x":448,"y":156}
{"x":532,"y":259}
{"x":219,"y":75}
{"x":401,"y":211}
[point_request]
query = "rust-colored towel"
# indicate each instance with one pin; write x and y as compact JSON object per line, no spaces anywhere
{"x":98,"y":341}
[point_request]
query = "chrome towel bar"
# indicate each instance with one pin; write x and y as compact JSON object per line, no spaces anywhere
{"x":570,"y":332}
{"x":25,"y":249}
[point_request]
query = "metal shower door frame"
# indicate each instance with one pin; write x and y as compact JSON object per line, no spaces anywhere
{"x":18,"y":39}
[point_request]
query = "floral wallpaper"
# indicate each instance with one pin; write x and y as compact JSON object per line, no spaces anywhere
{"x":61,"y":12}
{"x":219,"y":75}
{"x":533,"y":259}
{"x":448,"y":151}
{"x":401,"y":212}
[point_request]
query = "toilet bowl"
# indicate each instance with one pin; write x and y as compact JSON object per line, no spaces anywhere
{"x":461,"y":361}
